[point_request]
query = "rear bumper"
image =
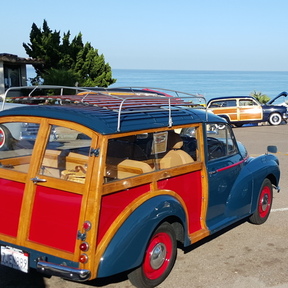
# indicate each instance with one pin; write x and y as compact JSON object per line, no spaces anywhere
{"x":65,"y":272}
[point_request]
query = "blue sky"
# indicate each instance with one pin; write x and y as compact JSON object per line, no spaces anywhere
{"x":161,"y":34}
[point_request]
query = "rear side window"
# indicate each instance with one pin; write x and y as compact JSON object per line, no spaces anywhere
{"x":247,"y":102}
{"x":66,"y":155}
{"x":223,"y":103}
{"x":148,"y":152}
{"x":17,"y":141}
{"x":220,"y":141}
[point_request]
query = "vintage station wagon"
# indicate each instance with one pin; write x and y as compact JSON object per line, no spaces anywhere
{"x":113,"y":183}
{"x":240,"y":110}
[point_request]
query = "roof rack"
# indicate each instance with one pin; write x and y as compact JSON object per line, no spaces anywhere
{"x":123,"y":100}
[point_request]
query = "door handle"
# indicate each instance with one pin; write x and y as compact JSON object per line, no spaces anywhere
{"x":38,"y":180}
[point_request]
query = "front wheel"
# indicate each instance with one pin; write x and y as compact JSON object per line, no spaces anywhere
{"x":264,"y":203}
{"x":275,"y":119}
{"x":159,"y":258}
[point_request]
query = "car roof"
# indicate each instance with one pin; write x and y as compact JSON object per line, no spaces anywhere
{"x":105,"y":121}
{"x":230,"y":97}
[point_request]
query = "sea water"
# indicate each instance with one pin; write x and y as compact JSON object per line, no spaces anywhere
{"x":208,"y":83}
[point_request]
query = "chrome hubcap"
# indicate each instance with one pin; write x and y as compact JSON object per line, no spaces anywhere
{"x":158,"y":256}
{"x":265,"y":202}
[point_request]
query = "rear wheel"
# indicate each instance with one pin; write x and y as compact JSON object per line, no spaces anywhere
{"x":275,"y":119}
{"x":264,"y":203}
{"x":159,"y":258}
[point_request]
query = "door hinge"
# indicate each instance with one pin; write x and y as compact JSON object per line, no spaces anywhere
{"x":95,"y":152}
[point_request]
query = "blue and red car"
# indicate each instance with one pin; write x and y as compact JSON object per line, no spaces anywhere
{"x":113,"y":186}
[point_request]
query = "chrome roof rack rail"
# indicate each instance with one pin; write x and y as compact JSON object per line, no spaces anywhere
{"x":123,"y":100}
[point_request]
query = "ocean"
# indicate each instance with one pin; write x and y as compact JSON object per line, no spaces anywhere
{"x":208,"y":83}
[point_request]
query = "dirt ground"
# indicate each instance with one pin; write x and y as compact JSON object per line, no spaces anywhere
{"x":243,"y":257}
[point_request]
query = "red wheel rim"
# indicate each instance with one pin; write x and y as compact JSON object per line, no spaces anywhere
{"x":2,"y":137}
{"x":264,"y":202}
{"x":158,"y":256}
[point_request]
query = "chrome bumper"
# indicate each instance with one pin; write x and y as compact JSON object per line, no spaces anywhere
{"x":70,"y":273}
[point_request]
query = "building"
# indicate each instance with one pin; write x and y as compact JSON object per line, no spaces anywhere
{"x":13,"y":71}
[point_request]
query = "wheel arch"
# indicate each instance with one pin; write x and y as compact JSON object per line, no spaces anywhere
{"x":126,"y":249}
{"x":272,"y":172}
{"x":226,"y":117}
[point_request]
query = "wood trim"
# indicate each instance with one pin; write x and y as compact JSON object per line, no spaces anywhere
{"x":30,"y":187}
{"x":13,"y":175}
{"x":204,"y":178}
{"x":92,"y":199}
{"x":198,"y":235}
{"x":154,"y":176}
{"x":61,"y":184}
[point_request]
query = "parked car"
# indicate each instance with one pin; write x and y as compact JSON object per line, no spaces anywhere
{"x":240,"y":110}
{"x":137,"y":176}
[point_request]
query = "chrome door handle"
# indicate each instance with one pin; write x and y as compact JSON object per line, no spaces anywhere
{"x":37,"y":180}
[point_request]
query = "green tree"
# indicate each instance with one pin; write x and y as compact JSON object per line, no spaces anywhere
{"x":66,"y":62}
{"x":262,"y":98}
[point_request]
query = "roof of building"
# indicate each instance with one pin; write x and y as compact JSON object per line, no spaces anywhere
{"x":11,"y":58}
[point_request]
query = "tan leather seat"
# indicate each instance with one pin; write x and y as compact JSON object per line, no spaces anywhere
{"x":175,"y":156}
{"x":128,"y":168}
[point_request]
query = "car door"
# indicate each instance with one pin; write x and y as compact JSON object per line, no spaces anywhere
{"x":226,"y":107}
{"x":224,"y":165}
{"x":43,"y":184}
{"x":249,"y":110}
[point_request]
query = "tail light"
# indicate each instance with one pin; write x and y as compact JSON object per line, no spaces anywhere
{"x":87,"y":225}
{"x":84,"y":246}
{"x":83,"y":258}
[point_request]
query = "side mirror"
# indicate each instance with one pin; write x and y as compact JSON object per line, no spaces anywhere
{"x":272,"y":149}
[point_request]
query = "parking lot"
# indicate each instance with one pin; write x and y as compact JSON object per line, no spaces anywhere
{"x":246,"y":256}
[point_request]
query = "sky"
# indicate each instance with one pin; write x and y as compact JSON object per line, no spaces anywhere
{"x":239,"y":35}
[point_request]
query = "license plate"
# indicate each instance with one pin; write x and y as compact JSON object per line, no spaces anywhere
{"x":14,"y":258}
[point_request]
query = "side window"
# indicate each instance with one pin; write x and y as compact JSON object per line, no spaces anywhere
{"x":217,"y":104}
{"x":223,"y":103}
{"x":144,"y":153}
{"x":248,"y":102}
{"x":231,"y":103}
{"x":220,"y":141}
{"x":17,"y":140}
{"x":66,"y":155}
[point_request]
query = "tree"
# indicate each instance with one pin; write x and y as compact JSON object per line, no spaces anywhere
{"x":262,"y":98}
{"x":65,"y":62}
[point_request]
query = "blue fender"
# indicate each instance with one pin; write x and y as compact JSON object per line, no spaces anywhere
{"x":126,"y":249}
{"x":265,"y":166}
{"x":244,"y":194}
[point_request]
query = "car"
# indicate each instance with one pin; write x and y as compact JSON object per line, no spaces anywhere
{"x":130,"y":179}
{"x":240,"y":110}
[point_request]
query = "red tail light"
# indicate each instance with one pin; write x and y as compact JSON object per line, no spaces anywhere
{"x":84,"y":246}
{"x":83,"y":258}
{"x":87,"y":225}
